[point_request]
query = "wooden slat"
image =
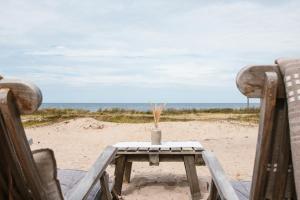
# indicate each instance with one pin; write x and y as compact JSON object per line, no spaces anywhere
{"x":224,"y":187}
{"x":154,"y":149}
{"x":187,"y":149}
{"x":242,"y":189}
{"x":143,"y":149}
{"x":175,"y":149}
{"x":122,"y":148}
{"x":264,"y":140}
{"x":16,"y":133}
{"x":69,"y":178}
{"x":132,"y":149}
{"x":197,"y":149}
{"x":9,"y":167}
{"x":165,"y":149}
{"x":281,"y":150}
{"x":81,"y":190}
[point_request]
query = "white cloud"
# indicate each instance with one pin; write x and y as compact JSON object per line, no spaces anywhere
{"x":187,"y":74}
{"x":67,"y":52}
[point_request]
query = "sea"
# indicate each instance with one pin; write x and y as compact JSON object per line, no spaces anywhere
{"x":144,"y":106}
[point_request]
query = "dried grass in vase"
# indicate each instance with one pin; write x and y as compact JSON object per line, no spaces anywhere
{"x":157,"y":111}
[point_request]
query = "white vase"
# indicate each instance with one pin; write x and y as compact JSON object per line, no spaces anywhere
{"x":155,"y":137}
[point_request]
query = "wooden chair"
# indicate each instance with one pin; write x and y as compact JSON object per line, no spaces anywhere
{"x":273,"y":169}
{"x":20,"y":177}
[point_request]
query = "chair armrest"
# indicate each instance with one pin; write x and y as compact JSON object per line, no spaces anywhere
{"x":224,"y":187}
{"x":82,"y":189}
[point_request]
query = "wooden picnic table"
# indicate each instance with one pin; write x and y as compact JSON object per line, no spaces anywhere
{"x":189,"y":152}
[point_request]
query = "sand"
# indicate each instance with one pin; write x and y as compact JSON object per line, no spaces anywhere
{"x":78,"y":142}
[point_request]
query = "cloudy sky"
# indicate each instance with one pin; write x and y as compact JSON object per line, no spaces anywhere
{"x":143,"y":51}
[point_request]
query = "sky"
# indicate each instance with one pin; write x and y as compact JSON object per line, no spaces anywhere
{"x":143,"y":51}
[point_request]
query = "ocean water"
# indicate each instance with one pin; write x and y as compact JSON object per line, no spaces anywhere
{"x":144,"y":106}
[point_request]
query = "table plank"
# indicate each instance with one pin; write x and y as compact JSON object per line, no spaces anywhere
{"x":122,"y":148}
{"x":176,"y":149}
{"x":165,"y":149}
{"x":132,"y":149}
{"x":143,"y":149}
{"x":154,"y":149}
{"x":184,"y":149}
{"x":198,"y":149}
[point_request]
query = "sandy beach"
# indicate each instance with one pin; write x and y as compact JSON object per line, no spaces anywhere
{"x":78,"y":142}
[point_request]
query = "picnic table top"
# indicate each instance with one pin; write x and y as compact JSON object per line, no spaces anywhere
{"x":168,"y":147}
{"x":165,"y":144}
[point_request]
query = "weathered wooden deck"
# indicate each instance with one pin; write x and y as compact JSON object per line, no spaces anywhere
{"x":69,"y":178}
{"x":242,"y":189}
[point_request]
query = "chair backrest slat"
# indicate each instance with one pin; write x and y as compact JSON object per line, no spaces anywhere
{"x":263,"y":146}
{"x":10,"y":169}
{"x":19,"y":147}
{"x":281,"y":159}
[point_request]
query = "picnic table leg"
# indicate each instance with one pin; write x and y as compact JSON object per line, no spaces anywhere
{"x":128,"y":167}
{"x":119,"y":174}
{"x":191,"y":173}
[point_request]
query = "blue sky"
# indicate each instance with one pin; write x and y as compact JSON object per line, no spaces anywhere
{"x":143,"y":51}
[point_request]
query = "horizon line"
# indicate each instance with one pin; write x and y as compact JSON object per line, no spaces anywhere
{"x":146,"y":102}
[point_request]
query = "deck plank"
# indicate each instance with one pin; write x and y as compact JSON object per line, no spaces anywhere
{"x":68,"y":178}
{"x":242,"y":189}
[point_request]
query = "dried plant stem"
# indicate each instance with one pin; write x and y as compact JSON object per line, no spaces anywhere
{"x":157,"y":110}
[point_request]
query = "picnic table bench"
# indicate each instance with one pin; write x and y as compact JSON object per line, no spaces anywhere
{"x":189,"y":152}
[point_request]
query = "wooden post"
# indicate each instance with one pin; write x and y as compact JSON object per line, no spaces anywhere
{"x":128,"y":167}
{"x":119,"y":174}
{"x":191,"y":173}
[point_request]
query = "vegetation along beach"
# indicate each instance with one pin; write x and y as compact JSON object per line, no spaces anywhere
{"x":118,"y":115}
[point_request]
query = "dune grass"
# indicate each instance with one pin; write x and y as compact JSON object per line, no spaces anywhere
{"x":49,"y":116}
